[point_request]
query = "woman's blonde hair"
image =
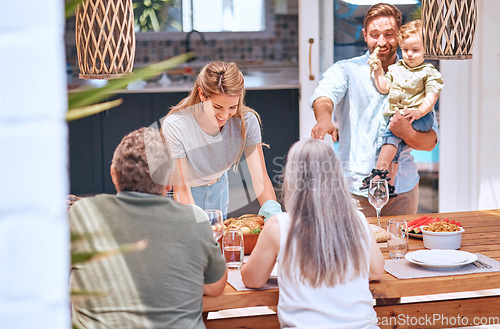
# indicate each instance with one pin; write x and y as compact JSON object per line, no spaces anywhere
{"x":327,"y":239}
{"x":220,"y":78}
{"x":410,"y":29}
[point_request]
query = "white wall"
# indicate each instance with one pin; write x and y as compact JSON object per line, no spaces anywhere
{"x":34,"y":237}
{"x":469,"y":169}
{"x":309,"y":63}
{"x":315,"y":59}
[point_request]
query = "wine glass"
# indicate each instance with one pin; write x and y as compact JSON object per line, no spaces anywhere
{"x":378,"y":195}
{"x":215,"y":217}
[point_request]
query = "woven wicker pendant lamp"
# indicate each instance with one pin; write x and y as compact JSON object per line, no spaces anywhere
{"x":105,"y":38}
{"x":449,"y":27}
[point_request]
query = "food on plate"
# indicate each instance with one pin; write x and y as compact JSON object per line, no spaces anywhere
{"x":245,"y":230}
{"x":442,"y":226}
{"x":380,"y":234}
{"x":248,"y":224}
{"x":415,"y":226}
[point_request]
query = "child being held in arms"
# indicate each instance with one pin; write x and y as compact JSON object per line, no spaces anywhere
{"x":413,"y":88}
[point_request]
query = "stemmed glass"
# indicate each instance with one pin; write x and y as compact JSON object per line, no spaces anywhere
{"x":378,"y":195}
{"x":215,"y":217}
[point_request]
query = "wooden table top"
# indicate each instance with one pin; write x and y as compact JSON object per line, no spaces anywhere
{"x":482,"y":235}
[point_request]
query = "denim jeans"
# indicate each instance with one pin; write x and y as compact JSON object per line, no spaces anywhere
{"x":215,"y":196}
{"x":423,"y":124}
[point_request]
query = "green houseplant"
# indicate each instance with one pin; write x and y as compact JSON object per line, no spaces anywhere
{"x":152,"y":15}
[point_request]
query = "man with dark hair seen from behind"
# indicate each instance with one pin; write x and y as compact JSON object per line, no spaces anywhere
{"x":348,"y":87}
{"x":158,"y":287}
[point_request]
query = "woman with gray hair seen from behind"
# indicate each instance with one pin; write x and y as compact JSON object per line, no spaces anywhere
{"x":323,"y":247}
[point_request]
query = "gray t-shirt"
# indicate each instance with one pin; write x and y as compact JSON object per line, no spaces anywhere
{"x":158,"y":287}
{"x":208,"y":156}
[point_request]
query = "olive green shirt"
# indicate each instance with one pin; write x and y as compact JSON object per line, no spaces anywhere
{"x":156,"y":288}
{"x":410,"y":85}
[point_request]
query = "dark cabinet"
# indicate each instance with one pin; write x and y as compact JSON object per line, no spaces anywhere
{"x":161,"y":103}
{"x":85,"y":155}
{"x":92,"y":140}
{"x":135,"y":112}
{"x":279,"y":112}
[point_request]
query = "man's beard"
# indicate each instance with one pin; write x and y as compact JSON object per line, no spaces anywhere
{"x":386,"y":56}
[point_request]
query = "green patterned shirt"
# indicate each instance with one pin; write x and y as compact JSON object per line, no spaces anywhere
{"x":410,"y":85}
{"x":157,"y":288}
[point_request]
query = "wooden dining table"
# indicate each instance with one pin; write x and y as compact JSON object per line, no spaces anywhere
{"x":482,"y":235}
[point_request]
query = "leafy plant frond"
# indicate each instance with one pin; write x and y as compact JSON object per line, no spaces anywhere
{"x":150,"y":15}
{"x":85,"y":97}
{"x":84,"y":294}
{"x":81,"y":112}
{"x":70,"y":7}
{"x":87,"y":256}
{"x":417,"y":13}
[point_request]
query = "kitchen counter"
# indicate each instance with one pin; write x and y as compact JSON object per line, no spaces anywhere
{"x":256,"y":78}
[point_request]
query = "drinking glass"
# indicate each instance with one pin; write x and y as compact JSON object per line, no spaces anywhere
{"x":378,"y":195}
{"x":215,"y":217}
{"x":398,"y":241}
{"x":233,"y":247}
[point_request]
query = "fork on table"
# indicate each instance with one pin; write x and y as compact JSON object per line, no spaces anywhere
{"x":480,"y":264}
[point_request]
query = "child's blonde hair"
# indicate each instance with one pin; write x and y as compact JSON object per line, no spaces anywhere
{"x":410,"y":29}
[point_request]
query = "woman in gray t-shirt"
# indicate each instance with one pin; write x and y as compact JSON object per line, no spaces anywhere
{"x":208,"y":132}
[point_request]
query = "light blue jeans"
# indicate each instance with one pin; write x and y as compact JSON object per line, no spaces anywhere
{"x":215,"y":196}
{"x":423,"y":124}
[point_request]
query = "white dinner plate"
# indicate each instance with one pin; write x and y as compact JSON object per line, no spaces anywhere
{"x":440,"y":258}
